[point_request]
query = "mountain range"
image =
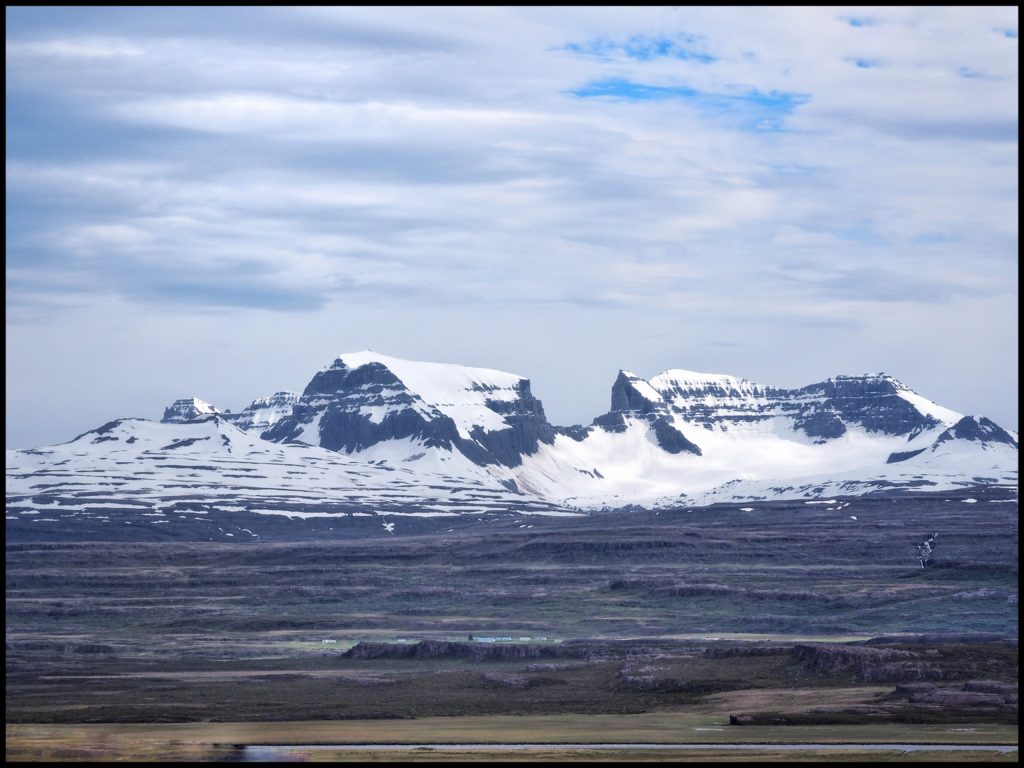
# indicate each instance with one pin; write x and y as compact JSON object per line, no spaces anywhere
{"x":374,"y":435}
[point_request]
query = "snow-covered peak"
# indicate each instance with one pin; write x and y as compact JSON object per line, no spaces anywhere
{"x":882,"y":384}
{"x":363,"y":398}
{"x":263,"y":412}
{"x":372,"y":427}
{"x":188,"y":409}
{"x":437,"y":382}
{"x":926,"y":406}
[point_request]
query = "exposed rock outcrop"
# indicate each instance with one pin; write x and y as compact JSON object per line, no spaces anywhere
{"x":188,"y":409}
{"x":471,"y":651}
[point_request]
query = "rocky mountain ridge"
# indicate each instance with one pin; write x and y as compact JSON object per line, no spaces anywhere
{"x":371,"y":432}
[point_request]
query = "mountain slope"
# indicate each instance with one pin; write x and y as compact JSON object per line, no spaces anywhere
{"x":162,"y":472}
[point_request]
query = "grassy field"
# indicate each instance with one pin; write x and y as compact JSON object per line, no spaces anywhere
{"x":162,"y":741}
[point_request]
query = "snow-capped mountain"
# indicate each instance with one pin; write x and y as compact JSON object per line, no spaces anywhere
{"x":165,"y":472}
{"x":682,"y":435}
{"x":377,"y":434}
{"x":364,"y":400}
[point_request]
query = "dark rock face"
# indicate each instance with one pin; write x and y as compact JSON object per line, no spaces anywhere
{"x":971,"y":428}
{"x":820,"y":422}
{"x":611,"y":422}
{"x":342,"y":398}
{"x":625,"y":396}
{"x":575,"y":432}
{"x":822,"y":411}
{"x":871,"y":401}
{"x":187,"y":409}
{"x":528,"y":427}
{"x":344,"y":430}
{"x":898,"y":456}
{"x":373,"y":377}
{"x":977,"y":429}
{"x":359,"y":407}
{"x":865,"y":663}
{"x":671,"y":439}
{"x":629,"y":400}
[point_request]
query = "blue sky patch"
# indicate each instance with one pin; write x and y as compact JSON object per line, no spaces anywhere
{"x":974,"y":74}
{"x":644,"y":48}
{"x":750,"y":109}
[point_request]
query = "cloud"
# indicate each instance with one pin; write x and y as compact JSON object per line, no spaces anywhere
{"x":887,"y":285}
{"x":302,"y":119}
{"x":84,"y":48}
{"x":626,"y":182}
{"x":644,"y":48}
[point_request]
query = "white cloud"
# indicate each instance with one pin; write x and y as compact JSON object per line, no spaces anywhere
{"x":431,"y":169}
{"x":80,"y":48}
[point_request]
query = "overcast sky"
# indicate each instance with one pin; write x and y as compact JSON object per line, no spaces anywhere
{"x":218,"y":202}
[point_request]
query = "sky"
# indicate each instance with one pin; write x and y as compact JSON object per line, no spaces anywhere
{"x":217,"y":202}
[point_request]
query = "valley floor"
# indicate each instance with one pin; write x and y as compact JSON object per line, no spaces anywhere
{"x":688,"y":626}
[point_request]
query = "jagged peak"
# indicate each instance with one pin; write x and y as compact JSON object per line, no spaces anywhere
{"x":977,"y":429}
{"x":633,"y":393}
{"x":188,"y":409}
